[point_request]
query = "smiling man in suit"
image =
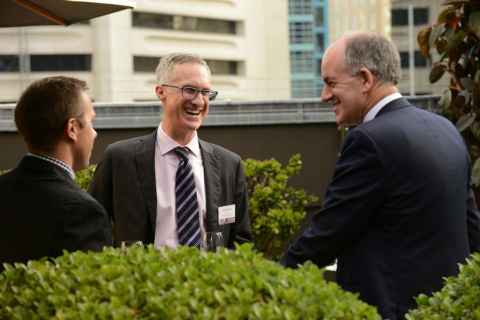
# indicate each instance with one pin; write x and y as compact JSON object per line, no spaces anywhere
{"x":170,"y":187}
{"x":398,"y":214}
{"x":43,"y":211}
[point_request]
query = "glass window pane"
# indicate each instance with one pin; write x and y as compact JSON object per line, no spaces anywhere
{"x":420,"y":16}
{"x":399,"y":17}
{"x":9,"y":63}
{"x":183,"y":23}
{"x":60,"y":62}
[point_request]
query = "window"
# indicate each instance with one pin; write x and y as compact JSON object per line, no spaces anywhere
{"x":420,"y":16}
{"x":420,"y":61}
{"x":400,"y":16}
{"x":303,"y":89}
{"x":299,"y":7}
{"x":145,"y":64}
{"x":64,"y":62}
{"x":151,"y":20}
{"x":319,"y":19}
{"x":301,"y":61}
{"x":319,"y":67}
{"x":321,"y":41}
{"x":218,"y":67}
{"x":301,"y":32}
{"x":183,"y":23}
{"x":9,"y":63}
{"x":223,"y":67}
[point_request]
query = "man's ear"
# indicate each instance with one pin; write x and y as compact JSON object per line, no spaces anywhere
{"x":71,"y":129}
{"x":160,"y":92}
{"x":368,"y":79}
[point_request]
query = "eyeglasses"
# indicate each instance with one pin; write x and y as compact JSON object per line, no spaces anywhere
{"x":191,"y":93}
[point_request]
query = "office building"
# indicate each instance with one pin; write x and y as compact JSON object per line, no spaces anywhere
{"x":244,"y":41}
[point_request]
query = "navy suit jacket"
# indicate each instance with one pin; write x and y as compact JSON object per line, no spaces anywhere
{"x":44,"y":212}
{"x":398,"y":214}
{"x":124,"y":183}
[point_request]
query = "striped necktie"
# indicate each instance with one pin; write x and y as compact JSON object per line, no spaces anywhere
{"x":187,"y":208}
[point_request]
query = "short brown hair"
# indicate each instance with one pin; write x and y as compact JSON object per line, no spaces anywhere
{"x":45,"y":107}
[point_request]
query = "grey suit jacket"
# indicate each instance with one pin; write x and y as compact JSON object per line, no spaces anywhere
{"x":124,"y":183}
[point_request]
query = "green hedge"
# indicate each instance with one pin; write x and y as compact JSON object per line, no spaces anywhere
{"x":458,"y":300}
{"x":145,"y":283}
{"x":276,"y":209}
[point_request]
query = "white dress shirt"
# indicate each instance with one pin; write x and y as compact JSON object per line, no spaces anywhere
{"x":166,"y":162}
{"x":372,"y":113}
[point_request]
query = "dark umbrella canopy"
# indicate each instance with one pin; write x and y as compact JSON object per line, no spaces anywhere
{"x":17,"y":13}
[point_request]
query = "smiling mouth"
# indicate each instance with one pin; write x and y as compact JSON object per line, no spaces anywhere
{"x":192,"y":112}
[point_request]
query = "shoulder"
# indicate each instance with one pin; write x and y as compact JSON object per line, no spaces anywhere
{"x":80,"y":201}
{"x":126,"y":146}
{"x":218,"y":151}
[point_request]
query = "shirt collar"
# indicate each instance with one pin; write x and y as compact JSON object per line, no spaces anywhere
{"x":372,"y":113}
{"x":166,"y":144}
{"x":56,"y":162}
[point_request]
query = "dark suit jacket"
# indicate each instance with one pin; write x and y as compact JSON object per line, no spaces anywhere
{"x":44,"y":212}
{"x":124,"y":183}
{"x":397,"y":214}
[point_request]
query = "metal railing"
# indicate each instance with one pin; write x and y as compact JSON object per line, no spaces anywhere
{"x":148,"y":114}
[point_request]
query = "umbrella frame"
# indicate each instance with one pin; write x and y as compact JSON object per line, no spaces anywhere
{"x":41,"y":11}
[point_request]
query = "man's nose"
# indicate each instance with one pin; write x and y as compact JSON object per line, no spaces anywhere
{"x":198,"y":99}
{"x":326,"y":94}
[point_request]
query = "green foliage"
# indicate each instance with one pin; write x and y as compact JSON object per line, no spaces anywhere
{"x":458,"y":300}
{"x":276,"y":210}
{"x":453,"y":45}
{"x":144,"y":283}
{"x":84,"y":177}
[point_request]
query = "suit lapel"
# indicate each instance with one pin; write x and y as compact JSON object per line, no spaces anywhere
{"x":212,"y":183}
{"x":145,"y":161}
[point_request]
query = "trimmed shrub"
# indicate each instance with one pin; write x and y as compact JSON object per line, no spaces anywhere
{"x":85,"y":176}
{"x":144,"y":283}
{"x":276,"y":209}
{"x":458,"y":300}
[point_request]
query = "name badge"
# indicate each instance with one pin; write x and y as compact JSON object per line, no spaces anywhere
{"x":226,"y":214}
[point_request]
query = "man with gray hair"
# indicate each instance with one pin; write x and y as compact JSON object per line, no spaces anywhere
{"x":398,"y":214}
{"x":171,"y":188}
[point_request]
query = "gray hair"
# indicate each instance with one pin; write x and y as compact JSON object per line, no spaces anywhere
{"x":374,"y":52}
{"x":168,"y":62}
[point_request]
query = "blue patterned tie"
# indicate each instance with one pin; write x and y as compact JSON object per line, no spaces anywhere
{"x":187,"y":209}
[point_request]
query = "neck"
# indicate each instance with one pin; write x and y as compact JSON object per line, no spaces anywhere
{"x":380,"y":92}
{"x":182,"y":137}
{"x":59,"y":152}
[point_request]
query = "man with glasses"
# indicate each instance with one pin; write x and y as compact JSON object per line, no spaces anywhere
{"x":43,"y":211}
{"x":170,"y":188}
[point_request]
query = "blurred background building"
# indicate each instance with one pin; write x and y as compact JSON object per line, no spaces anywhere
{"x":415,"y":68}
{"x":257,"y":49}
{"x":245,"y":43}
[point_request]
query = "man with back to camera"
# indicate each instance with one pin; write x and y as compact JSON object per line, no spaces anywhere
{"x":170,"y":187}
{"x":398,"y":214}
{"x":43,"y":210}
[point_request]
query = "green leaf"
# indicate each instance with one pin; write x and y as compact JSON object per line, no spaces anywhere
{"x":465,"y":121}
{"x":437,"y":72}
{"x":436,"y":33}
{"x":445,"y":100}
{"x":423,"y":41}
{"x":474,"y":22}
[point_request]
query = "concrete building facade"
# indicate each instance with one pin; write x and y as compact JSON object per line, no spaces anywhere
{"x":245,"y":43}
{"x":415,"y":81}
